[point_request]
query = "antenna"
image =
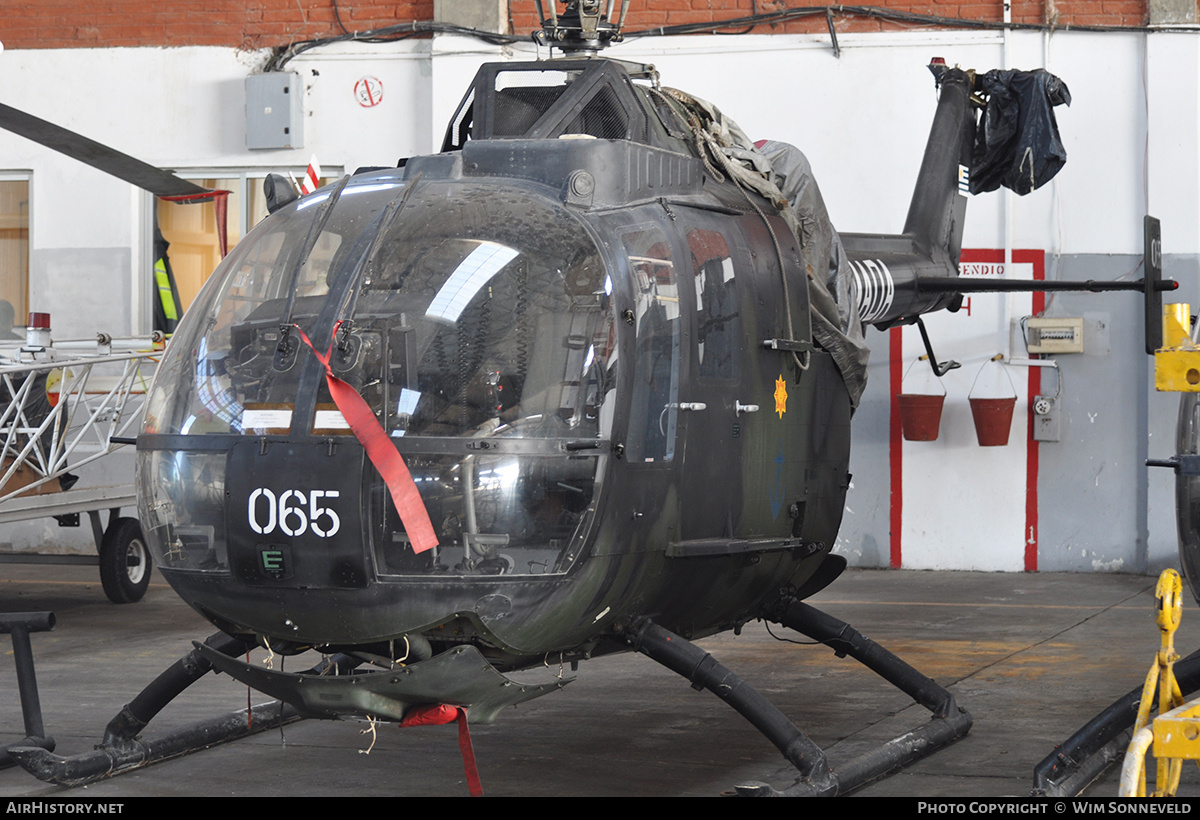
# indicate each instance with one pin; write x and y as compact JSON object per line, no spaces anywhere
{"x":582,"y":27}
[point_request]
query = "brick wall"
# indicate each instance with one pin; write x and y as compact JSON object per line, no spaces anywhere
{"x":268,"y":23}
{"x":238,"y":23}
{"x":654,"y":13}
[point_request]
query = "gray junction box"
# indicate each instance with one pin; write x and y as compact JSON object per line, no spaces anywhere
{"x":274,"y":111}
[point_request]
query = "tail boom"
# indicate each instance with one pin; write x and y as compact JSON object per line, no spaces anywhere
{"x":888,"y":269}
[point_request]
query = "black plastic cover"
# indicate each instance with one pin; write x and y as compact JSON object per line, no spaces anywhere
{"x":1017,"y":143}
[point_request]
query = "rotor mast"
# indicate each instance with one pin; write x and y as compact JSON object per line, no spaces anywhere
{"x":584,"y":27}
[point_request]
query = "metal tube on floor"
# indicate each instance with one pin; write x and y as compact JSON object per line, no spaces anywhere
{"x":1084,"y":756}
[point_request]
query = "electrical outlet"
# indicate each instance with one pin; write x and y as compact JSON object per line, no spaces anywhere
{"x":1047,"y":419}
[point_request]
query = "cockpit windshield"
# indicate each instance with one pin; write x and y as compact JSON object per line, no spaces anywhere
{"x":457,"y":312}
{"x":477,"y":335}
{"x":475,"y":310}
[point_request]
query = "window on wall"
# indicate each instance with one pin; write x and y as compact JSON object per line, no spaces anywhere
{"x":14,"y":252}
{"x":191,"y":229}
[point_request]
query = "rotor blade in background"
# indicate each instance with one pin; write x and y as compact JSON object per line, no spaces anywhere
{"x":146,"y":176}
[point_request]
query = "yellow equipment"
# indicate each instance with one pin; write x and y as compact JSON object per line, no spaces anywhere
{"x":1175,"y":733}
{"x":1177,"y":362}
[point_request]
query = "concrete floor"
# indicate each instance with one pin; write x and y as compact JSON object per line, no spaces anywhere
{"x":1031,"y":656}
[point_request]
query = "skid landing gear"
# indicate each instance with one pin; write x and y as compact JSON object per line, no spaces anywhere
{"x":414,"y":694}
{"x":350,"y":693}
{"x":949,"y":722}
{"x":123,"y":749}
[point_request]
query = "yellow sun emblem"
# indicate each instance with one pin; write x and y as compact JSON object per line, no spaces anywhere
{"x":780,"y":396}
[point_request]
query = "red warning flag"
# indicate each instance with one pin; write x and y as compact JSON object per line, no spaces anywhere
{"x":381,"y":451}
{"x":312,"y":176}
{"x":438,"y":714}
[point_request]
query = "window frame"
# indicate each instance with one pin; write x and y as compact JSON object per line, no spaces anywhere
{"x":23,"y":175}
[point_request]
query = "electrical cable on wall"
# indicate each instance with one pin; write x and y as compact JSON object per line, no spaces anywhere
{"x":745,"y":24}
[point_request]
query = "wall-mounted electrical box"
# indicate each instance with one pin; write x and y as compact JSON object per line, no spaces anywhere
{"x":274,"y":110}
{"x":1058,"y":334}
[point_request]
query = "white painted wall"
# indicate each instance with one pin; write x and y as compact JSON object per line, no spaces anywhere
{"x":964,"y":504}
{"x":862,"y":118}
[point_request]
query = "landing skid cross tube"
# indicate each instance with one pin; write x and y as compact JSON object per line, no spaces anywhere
{"x":123,"y":749}
{"x":682,"y":656}
{"x":949,"y":722}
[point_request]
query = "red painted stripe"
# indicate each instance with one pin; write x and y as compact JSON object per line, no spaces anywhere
{"x":1038,"y":258}
{"x":896,"y":445}
{"x":308,"y":183}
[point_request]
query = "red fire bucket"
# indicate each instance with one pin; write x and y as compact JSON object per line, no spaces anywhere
{"x":993,"y":420}
{"x":920,"y":416}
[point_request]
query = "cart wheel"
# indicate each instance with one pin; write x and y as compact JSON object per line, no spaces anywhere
{"x":125,"y":564}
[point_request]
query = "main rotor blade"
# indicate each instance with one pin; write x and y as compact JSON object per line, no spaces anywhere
{"x":146,"y":176}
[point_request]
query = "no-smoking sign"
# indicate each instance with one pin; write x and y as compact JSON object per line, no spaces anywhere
{"x":369,"y":92}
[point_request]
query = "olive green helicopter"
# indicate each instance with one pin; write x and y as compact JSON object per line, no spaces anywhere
{"x":580,"y":383}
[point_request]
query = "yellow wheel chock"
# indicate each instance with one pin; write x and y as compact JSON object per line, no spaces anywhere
{"x":1175,"y":733}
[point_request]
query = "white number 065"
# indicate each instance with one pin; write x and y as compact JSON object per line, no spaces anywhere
{"x":293,"y":512}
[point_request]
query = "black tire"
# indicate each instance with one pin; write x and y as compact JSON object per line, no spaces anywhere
{"x":125,"y":563}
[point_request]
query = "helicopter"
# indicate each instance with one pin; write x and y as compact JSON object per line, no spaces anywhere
{"x":580,"y":383}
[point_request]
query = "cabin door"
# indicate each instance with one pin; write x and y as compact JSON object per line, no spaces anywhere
{"x":714,"y":419}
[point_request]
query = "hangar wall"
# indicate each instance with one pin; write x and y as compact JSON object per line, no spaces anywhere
{"x":861,"y":116}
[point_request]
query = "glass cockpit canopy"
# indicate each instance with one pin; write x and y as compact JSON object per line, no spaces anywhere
{"x":474,"y":307}
{"x":462,"y":310}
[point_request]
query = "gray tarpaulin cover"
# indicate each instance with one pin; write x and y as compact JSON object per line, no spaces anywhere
{"x":1017,"y":145}
{"x":781,"y":173}
{"x":835,"y":315}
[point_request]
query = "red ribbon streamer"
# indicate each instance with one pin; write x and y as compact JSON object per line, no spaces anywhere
{"x":438,"y":714}
{"x":381,"y":452}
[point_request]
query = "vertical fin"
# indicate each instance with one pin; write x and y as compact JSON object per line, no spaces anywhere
{"x":938,"y":207}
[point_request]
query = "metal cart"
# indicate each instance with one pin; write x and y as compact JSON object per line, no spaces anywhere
{"x":64,"y":405}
